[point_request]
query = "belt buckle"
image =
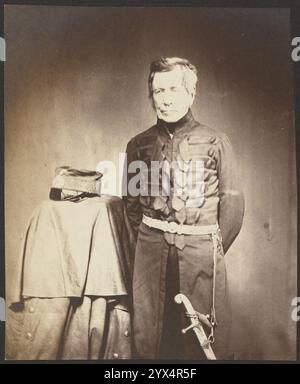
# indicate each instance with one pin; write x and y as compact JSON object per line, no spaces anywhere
{"x":180,"y":229}
{"x":172,"y":227}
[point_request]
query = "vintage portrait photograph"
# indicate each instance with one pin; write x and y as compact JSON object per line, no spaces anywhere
{"x":150,"y":184}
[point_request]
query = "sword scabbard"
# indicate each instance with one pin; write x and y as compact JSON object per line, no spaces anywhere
{"x":196,"y":326}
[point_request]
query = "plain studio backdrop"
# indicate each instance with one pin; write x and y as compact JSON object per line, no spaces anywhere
{"x":76,"y":92}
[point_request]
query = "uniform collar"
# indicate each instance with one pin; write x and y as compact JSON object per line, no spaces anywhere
{"x":176,"y":126}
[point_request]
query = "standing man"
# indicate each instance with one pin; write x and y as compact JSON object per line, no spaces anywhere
{"x":182,"y":232}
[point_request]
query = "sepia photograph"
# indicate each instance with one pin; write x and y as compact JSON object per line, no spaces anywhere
{"x":150,"y":184}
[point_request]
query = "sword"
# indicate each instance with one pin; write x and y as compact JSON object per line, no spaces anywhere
{"x":196,"y":325}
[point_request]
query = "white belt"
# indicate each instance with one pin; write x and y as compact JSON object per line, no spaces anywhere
{"x":183,"y":229}
{"x":180,"y":229}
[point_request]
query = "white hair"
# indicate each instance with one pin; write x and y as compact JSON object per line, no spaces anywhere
{"x":166,"y":64}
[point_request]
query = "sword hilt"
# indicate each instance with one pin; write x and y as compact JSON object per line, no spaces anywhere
{"x":197,"y":326}
{"x":189,"y":327}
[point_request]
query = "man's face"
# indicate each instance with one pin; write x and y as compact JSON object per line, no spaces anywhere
{"x":170,"y":97}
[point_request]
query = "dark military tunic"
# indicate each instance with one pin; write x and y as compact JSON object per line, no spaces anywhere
{"x":167,"y":262}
